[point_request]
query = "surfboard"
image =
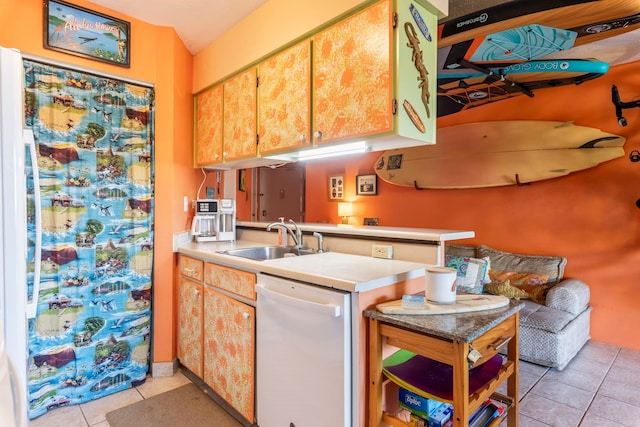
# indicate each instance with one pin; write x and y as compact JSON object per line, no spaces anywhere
{"x":616,"y":50}
{"x":511,"y":33}
{"x":498,"y":153}
{"x":459,"y":89}
{"x":592,"y":20}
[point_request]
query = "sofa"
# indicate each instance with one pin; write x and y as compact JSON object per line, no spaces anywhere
{"x":554,"y":322}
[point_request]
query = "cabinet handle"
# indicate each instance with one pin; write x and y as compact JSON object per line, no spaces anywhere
{"x":217,"y":156}
{"x":196,"y":293}
{"x":245,"y":315}
{"x":224,"y":154}
{"x":303,"y":138}
{"x":189,"y":269}
{"x":318,"y":135}
{"x":499,"y":343}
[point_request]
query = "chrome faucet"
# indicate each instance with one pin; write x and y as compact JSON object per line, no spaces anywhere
{"x":320,"y":241}
{"x":295,"y":235}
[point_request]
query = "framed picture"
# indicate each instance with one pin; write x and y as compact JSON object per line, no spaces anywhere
{"x":370,"y":221}
{"x":78,"y":31}
{"x":367,"y":185}
{"x":336,"y":187}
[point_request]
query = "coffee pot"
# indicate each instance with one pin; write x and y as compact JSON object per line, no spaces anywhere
{"x":215,"y":220}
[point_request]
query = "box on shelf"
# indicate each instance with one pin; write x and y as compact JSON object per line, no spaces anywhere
{"x":417,"y":404}
{"x":424,"y":412}
{"x":441,"y":416}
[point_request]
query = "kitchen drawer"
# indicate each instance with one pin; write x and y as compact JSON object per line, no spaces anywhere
{"x":235,"y":281}
{"x":191,"y":267}
{"x":494,"y":341}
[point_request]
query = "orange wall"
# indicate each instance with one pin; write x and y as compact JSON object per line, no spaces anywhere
{"x":274,"y":24}
{"x":159,"y":57}
{"x":589,"y":217}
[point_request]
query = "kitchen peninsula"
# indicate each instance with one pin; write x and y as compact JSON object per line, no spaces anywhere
{"x":346,"y":266}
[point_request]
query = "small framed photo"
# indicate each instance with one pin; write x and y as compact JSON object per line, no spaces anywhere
{"x":336,"y":187}
{"x":82,"y":32}
{"x":367,"y":185}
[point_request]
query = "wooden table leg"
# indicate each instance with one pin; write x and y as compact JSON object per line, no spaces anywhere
{"x":375,"y":374}
{"x":460,"y":384}
{"x":512,"y":382}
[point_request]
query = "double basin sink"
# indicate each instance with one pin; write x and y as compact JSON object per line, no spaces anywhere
{"x":269,"y":252}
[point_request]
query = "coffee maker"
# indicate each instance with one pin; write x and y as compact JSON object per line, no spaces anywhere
{"x":214,"y":221}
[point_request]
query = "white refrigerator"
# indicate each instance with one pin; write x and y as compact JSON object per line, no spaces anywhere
{"x":16,"y":307}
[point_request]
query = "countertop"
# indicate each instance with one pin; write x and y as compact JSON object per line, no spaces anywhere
{"x":351,"y":273}
{"x":462,"y":327}
{"x":419,"y":234}
{"x":347,"y":272}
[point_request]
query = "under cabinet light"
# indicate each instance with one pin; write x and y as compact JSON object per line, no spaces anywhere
{"x":322,"y":152}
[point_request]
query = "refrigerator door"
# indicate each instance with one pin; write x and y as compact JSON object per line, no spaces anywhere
{"x":13,"y":251}
{"x":12,"y":408}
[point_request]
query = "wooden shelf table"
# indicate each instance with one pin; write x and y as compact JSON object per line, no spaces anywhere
{"x":448,"y":338}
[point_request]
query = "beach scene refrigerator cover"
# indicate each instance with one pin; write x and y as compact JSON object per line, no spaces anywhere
{"x":94,"y":147}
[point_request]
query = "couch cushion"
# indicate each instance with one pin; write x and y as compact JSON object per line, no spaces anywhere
{"x":460,"y":250}
{"x":544,"y":318}
{"x":570,"y":295}
{"x":552,"y":267}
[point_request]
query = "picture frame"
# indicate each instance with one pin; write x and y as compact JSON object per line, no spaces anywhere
{"x":367,"y":185}
{"x":336,"y":187}
{"x":82,"y":32}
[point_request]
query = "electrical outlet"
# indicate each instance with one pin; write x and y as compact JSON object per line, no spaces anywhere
{"x":382,"y":251}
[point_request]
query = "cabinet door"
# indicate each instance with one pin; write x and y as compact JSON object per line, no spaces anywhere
{"x":352,"y":76}
{"x":284,"y":99}
{"x":239,"y":282}
{"x":208,"y":130}
{"x":190,"y":321}
{"x":229,"y":345}
{"x":191,"y":267}
{"x":239,"y":130}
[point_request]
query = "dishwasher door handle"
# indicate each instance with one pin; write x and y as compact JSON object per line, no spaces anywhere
{"x":303,"y":304}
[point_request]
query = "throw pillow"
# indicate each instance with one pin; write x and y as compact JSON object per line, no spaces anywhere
{"x":470,"y":272}
{"x":505,"y":289}
{"x":535,"y":285}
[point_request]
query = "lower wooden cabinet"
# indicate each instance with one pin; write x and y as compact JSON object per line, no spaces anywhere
{"x":216,"y":330}
{"x":190,"y":325}
{"x":229,"y":348}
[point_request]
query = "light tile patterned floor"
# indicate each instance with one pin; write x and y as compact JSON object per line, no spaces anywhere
{"x":599,"y":388}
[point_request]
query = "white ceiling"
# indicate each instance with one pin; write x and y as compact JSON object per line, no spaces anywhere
{"x":197,"y":22}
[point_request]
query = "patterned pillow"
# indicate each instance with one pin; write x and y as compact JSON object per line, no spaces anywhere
{"x":506,"y":290}
{"x":470,"y":271}
{"x":534,"y":285}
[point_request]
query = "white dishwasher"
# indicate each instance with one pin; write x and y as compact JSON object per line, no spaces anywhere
{"x":303,"y":348}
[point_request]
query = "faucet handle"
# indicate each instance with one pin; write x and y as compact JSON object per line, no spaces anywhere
{"x":320,"y":241}
{"x":281,"y":219}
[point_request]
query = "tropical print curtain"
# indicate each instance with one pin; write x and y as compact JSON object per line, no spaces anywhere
{"x":95,"y":141}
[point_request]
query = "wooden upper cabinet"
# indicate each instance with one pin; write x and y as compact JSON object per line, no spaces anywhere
{"x":284,"y":99}
{"x":239,"y":130}
{"x":352,"y":76}
{"x":208,"y":127}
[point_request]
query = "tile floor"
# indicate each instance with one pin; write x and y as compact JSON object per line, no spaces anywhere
{"x":600,"y":387}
